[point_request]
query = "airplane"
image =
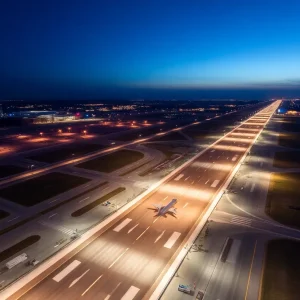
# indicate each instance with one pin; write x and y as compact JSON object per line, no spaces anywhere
{"x":168,"y":209}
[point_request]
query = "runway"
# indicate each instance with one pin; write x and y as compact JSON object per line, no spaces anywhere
{"x":129,"y":258}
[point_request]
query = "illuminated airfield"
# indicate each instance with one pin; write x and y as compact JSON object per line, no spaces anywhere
{"x":131,"y":257}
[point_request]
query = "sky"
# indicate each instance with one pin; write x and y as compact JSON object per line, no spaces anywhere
{"x":115,"y":48}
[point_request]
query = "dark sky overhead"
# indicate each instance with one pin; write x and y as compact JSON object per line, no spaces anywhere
{"x":94,"y":49}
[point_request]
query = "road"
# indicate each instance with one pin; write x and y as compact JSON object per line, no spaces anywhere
{"x":129,"y":258}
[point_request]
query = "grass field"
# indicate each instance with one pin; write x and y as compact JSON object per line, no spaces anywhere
{"x":283,"y":200}
{"x":291,"y":124}
{"x":13,"y":250}
{"x":287,"y":159}
{"x":9,"y":170}
{"x":281,"y":271}
{"x":290,"y":140}
{"x":3,"y":214}
{"x":66,"y":152}
{"x":113,"y":161}
{"x":97,"y":202}
{"x":36,"y":190}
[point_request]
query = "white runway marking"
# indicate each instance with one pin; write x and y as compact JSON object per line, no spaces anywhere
{"x":84,"y":199}
{"x":159,"y":237}
{"x":132,"y":228}
{"x":179,"y":177}
{"x":165,"y":198}
{"x":91,"y":286}
{"x":61,"y":275}
{"x":193,"y":182}
{"x":12,"y":219}
{"x":109,"y":295}
{"x":252,"y":187}
{"x":172,"y":240}
{"x":235,"y":158}
{"x":131,"y":293}
{"x":122,"y":225}
{"x":77,"y":279}
{"x":54,"y":200}
{"x":212,"y":151}
{"x":52,"y":215}
{"x":185,"y":205}
{"x":118,"y":258}
{"x":215,"y":183}
{"x":187,"y":178}
{"x":142,"y":233}
{"x":207,"y":181}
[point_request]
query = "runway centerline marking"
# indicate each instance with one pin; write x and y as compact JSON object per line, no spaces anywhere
{"x":155,"y":220}
{"x":142,"y":233}
{"x":77,"y":279}
{"x":118,"y":258}
{"x":165,"y":198}
{"x":132,"y":228}
{"x":91,"y":285}
{"x":68,"y":269}
{"x":185,"y":205}
{"x":207,"y":181}
{"x":160,"y":236}
{"x":109,"y":295}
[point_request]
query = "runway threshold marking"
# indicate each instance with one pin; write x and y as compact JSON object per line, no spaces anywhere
{"x":91,"y":285}
{"x":172,"y":240}
{"x":250,"y":271}
{"x":77,"y":279}
{"x":61,"y":275}
{"x":118,"y":258}
{"x":131,"y":293}
{"x":215,"y":183}
{"x":122,"y":225}
{"x":132,"y":228}
{"x":160,"y":236}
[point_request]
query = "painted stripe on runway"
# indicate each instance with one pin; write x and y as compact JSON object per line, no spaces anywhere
{"x":159,"y":237}
{"x":132,"y":228}
{"x":61,"y":275}
{"x":212,"y":150}
{"x":252,"y":187}
{"x":179,"y":177}
{"x":131,"y":293}
{"x":234,"y":158}
{"x":78,"y":278}
{"x":172,"y":240}
{"x":185,"y":205}
{"x":215,"y":183}
{"x":122,"y":225}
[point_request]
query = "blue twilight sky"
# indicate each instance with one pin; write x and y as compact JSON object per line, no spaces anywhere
{"x":91,"y":49}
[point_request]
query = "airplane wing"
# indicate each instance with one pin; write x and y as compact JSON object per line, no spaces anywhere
{"x":157,"y":206}
{"x":173,"y":210}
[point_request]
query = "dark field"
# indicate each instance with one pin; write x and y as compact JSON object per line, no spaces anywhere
{"x":281,"y":271}
{"x":66,"y":152}
{"x":9,"y":170}
{"x":111,"y":162}
{"x":283,"y":200}
{"x":36,"y":190}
